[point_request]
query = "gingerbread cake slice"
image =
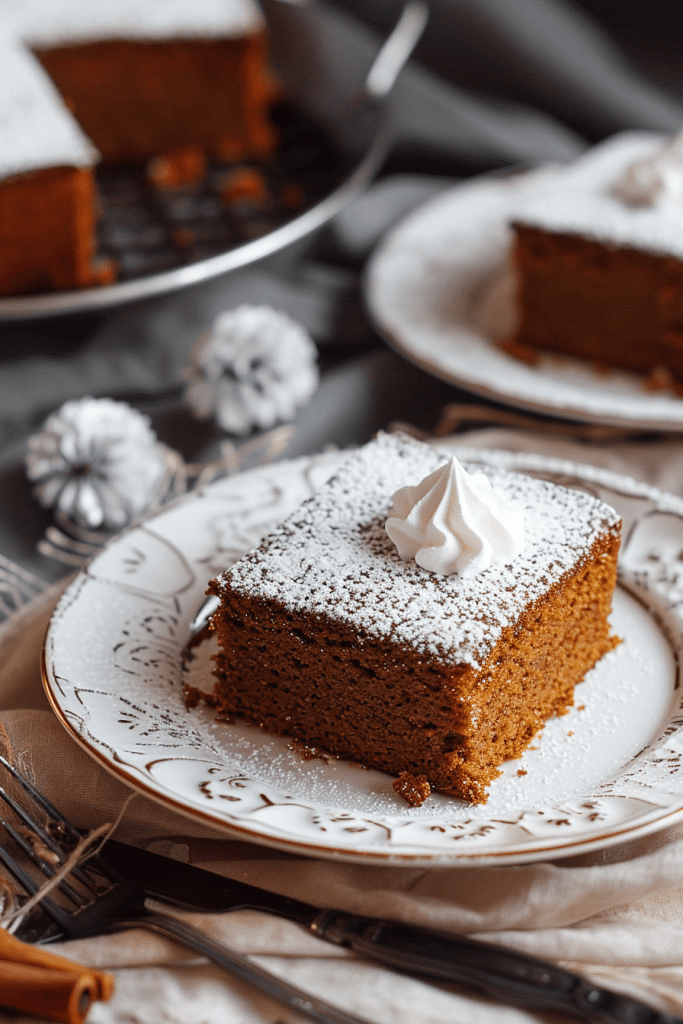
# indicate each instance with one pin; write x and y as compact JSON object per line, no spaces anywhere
{"x":597,"y":257}
{"x":327,"y":634}
{"x":143,"y":79}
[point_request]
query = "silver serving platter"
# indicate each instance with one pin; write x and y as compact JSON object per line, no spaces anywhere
{"x":332,"y":70}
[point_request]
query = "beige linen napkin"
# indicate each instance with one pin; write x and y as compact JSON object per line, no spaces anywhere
{"x":615,"y":916}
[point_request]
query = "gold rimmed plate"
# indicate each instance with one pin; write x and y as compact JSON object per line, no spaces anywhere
{"x":610,"y":770}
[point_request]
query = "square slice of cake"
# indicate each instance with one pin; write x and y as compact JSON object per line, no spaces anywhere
{"x":326,"y":634}
{"x":598,"y":264}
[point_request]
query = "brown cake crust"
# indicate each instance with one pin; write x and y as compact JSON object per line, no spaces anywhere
{"x":449,"y":692}
{"x":50,"y":216}
{"x":607,"y":303}
{"x":208,"y":93}
{"x":385,"y":705}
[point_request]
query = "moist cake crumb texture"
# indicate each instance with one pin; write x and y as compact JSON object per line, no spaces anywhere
{"x":414,"y":789}
{"x":598,"y":278}
{"x":325,"y":634}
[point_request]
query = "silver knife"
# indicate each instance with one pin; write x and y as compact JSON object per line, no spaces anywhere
{"x":501,"y":973}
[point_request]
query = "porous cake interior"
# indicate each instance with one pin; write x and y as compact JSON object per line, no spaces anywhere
{"x":384,"y":706}
{"x":211,"y":93}
{"x":580,"y":296}
{"x":48,"y":214}
{"x":599,"y":271}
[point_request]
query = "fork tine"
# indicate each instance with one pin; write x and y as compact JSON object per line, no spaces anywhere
{"x":59,"y":916}
{"x":48,"y":869}
{"x":44,"y":836}
{"x":41,"y":800}
{"x":93,"y":858}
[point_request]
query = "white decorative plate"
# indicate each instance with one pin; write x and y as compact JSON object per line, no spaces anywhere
{"x":609,"y":770}
{"x":439,"y":291}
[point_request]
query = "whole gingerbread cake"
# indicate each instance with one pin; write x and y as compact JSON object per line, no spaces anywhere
{"x":121,"y":80}
{"x":329,"y":635}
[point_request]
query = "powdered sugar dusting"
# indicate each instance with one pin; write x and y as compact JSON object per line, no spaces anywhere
{"x":582,"y":200}
{"x":332,"y":557}
{"x":36,"y":128}
{"x":51,"y":22}
{"x":439,"y":291}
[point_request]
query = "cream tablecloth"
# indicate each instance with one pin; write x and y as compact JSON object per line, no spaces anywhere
{"x":615,"y":916}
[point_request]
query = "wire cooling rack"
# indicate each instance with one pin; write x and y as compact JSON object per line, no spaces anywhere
{"x":146,"y":228}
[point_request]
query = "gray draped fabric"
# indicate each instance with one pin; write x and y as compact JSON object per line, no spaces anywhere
{"x":496,"y":82}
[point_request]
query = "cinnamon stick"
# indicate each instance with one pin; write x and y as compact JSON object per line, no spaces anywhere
{"x":39,"y":982}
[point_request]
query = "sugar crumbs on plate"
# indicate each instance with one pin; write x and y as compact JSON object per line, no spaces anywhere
{"x":414,"y":789}
{"x":308,"y":752}
{"x":193,"y":697}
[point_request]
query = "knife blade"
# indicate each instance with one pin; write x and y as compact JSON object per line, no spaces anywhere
{"x":500,"y":973}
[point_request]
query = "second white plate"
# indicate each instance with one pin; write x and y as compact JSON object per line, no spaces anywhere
{"x":438,"y":290}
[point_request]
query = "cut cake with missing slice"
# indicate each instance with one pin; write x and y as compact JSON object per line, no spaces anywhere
{"x":325,"y":634}
{"x":121,"y":80}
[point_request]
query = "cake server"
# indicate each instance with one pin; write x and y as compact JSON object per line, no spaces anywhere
{"x":500,"y":973}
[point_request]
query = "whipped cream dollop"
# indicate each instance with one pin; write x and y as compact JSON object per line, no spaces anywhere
{"x":656,"y":180}
{"x":455,"y":522}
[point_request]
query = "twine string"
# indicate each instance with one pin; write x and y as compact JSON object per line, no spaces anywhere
{"x":13,"y":919}
{"x":87,"y":847}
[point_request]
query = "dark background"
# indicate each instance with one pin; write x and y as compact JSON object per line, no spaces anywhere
{"x":492,"y":46}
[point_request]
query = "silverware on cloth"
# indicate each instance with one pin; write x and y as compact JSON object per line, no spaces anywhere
{"x":88,"y":897}
{"x":503,"y":974}
{"x":106,"y":892}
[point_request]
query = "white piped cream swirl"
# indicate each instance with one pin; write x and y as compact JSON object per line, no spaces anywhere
{"x":655,"y":181}
{"x":455,"y":522}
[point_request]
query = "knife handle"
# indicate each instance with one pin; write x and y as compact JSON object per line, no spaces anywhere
{"x":500,"y":973}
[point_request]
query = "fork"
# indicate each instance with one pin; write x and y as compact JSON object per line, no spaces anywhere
{"x":93,"y":899}
{"x":17,"y":587}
